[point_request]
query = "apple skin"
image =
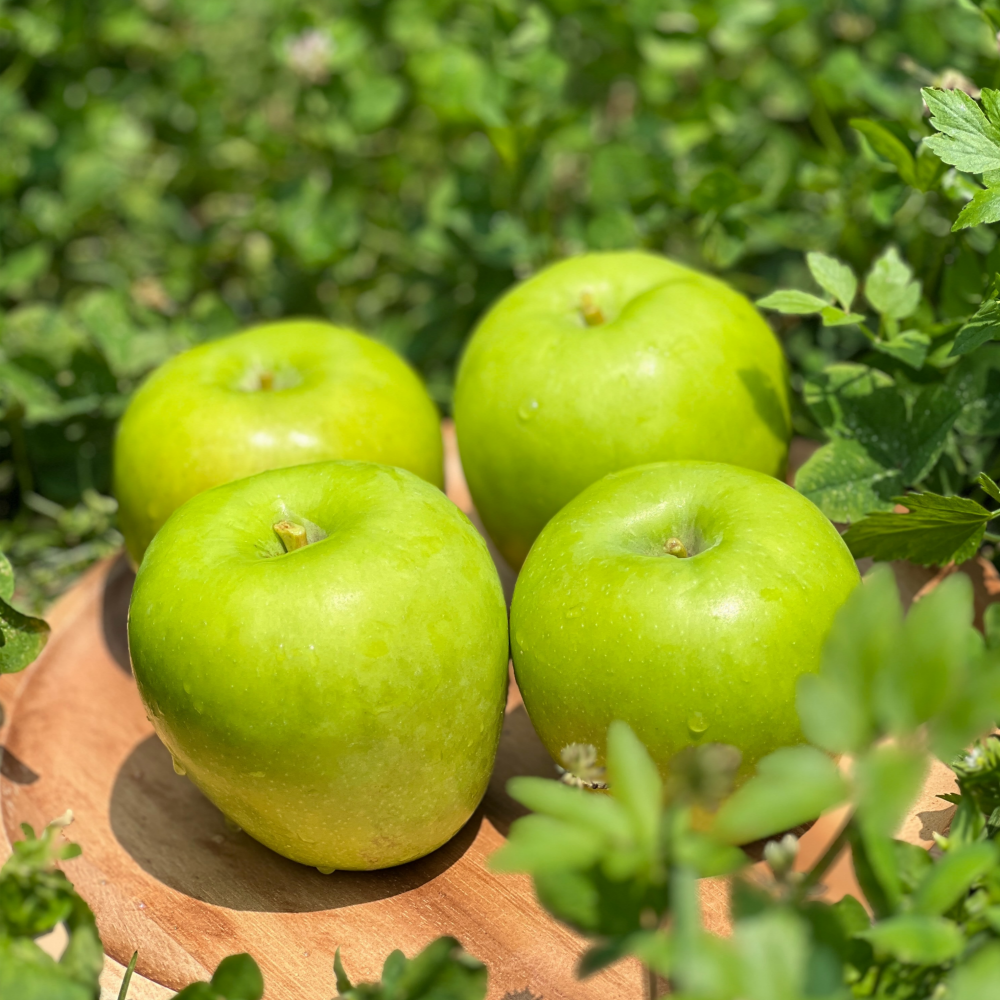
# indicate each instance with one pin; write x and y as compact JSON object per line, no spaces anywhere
{"x":605,"y":625}
{"x":682,"y":368}
{"x":341,"y":702}
{"x":202,"y":420}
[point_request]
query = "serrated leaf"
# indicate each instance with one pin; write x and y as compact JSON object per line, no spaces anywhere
{"x":982,"y":327}
{"x":910,"y":347}
{"x":845,"y":482}
{"x":983,"y":209}
{"x":936,"y":531}
{"x":989,"y":487}
{"x":916,"y":940}
{"x":889,"y":146}
{"x":835,"y":705}
{"x":793,"y":302}
{"x":23,"y":638}
{"x":834,"y":277}
{"x":791,"y":786}
{"x":968,"y":140}
{"x":890,"y":286}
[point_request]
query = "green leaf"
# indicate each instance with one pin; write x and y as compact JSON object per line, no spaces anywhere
{"x":793,"y":302}
{"x":845,"y":482}
{"x":791,"y":786}
{"x":910,"y":347}
{"x":834,"y":277}
{"x":343,"y":982}
{"x":835,"y":706}
{"x":23,"y":639}
{"x":930,"y":169}
{"x":238,"y":978}
{"x":991,"y":625}
{"x":977,"y":978}
{"x":982,"y":327}
{"x":969,"y":141}
{"x":543,"y":844}
{"x":989,"y":487}
{"x":930,"y":660}
{"x":6,"y":579}
{"x":773,"y":950}
{"x":950,"y":879}
{"x":635,"y":782}
{"x":890,"y":287}
{"x":599,"y":813}
{"x":888,"y":145}
{"x":442,"y":971}
{"x":887,"y":780}
{"x":983,"y":209}
{"x":914,"y":939}
{"x":832,"y":316}
{"x":936,"y":531}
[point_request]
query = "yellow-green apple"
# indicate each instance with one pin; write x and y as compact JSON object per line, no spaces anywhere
{"x":605,"y":361}
{"x":282,"y":394}
{"x":323,"y":650}
{"x":685,"y":598}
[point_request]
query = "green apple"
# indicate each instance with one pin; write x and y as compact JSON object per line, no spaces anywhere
{"x":282,"y":394}
{"x":602,"y":362}
{"x":685,"y":598}
{"x":323,"y":650}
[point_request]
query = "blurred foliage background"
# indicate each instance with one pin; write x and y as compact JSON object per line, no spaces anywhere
{"x":171,"y":170}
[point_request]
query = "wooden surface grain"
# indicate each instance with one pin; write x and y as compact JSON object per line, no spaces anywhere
{"x":166,"y":876}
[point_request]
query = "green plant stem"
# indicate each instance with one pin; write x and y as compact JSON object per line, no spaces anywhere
{"x":990,"y":536}
{"x":830,"y":855}
{"x":127,"y":978}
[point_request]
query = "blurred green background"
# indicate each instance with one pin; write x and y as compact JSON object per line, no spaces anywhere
{"x":171,"y":170}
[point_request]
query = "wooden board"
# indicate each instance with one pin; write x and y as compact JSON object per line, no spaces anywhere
{"x":166,"y":876}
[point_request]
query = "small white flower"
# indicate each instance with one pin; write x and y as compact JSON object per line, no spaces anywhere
{"x":309,"y":53}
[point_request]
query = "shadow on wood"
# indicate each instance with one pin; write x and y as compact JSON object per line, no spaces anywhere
{"x":176,"y":835}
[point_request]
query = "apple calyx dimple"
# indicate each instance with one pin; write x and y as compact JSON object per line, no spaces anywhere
{"x":675,"y":547}
{"x":292,"y":535}
{"x":590,"y":310}
{"x":265,"y":381}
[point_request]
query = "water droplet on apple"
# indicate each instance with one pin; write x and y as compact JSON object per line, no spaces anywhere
{"x":325,"y":871}
{"x":697,"y":723}
{"x":575,"y":611}
{"x":179,"y":768}
{"x":528,"y":410}
{"x":187,"y":687}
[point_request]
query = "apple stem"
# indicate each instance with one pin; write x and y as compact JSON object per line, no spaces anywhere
{"x":675,"y":547}
{"x":292,"y":535}
{"x":266,"y":382}
{"x":590,"y":310}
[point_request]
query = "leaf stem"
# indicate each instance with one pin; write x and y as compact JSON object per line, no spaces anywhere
{"x":830,"y":855}
{"x":989,"y":536}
